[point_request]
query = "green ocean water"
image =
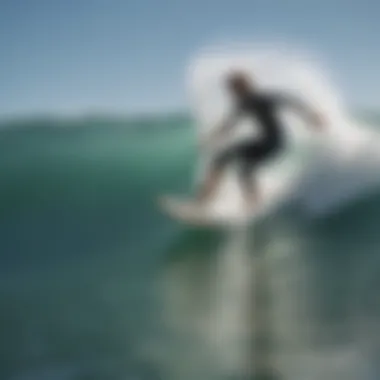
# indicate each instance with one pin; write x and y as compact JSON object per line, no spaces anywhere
{"x":97,"y":284}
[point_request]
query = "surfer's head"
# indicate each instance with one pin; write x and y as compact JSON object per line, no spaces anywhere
{"x":239,"y":83}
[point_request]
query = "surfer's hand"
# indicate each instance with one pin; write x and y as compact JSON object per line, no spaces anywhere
{"x":209,"y":140}
{"x":205,"y":142}
{"x":318,"y":120}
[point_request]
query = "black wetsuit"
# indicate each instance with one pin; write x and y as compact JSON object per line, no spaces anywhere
{"x":263,"y":108}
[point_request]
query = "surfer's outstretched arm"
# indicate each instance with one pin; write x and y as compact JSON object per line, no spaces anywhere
{"x":308,"y":113}
{"x":224,"y":128}
{"x":227,"y":125}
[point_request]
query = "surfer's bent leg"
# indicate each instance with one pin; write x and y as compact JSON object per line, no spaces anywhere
{"x":252,"y":155}
{"x":214,"y":176}
{"x":247,"y":181}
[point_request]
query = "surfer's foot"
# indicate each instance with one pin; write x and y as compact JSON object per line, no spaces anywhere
{"x":202,"y":199}
{"x":209,"y":187}
{"x":251,"y":203}
{"x":201,"y":203}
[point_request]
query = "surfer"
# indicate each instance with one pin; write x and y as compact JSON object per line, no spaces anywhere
{"x":250,"y":154}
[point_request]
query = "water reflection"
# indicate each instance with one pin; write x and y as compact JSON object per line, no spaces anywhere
{"x":257,"y":305}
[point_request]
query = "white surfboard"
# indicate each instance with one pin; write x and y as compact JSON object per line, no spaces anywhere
{"x":190,"y":212}
{"x":228,"y":209}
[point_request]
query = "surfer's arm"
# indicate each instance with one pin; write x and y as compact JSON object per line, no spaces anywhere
{"x":308,"y":113}
{"x":226,"y":126}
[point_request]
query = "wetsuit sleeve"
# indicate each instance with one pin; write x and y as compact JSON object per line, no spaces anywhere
{"x":286,"y":100}
{"x":308,"y":113}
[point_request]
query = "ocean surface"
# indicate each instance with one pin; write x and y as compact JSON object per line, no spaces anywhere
{"x":96,"y":283}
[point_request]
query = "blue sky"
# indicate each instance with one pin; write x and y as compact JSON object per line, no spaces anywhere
{"x":71,"y":56}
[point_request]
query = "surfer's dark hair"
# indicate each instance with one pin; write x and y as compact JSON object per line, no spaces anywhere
{"x":237,"y":79}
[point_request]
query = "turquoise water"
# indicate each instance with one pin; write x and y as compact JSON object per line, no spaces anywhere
{"x":97,"y":284}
